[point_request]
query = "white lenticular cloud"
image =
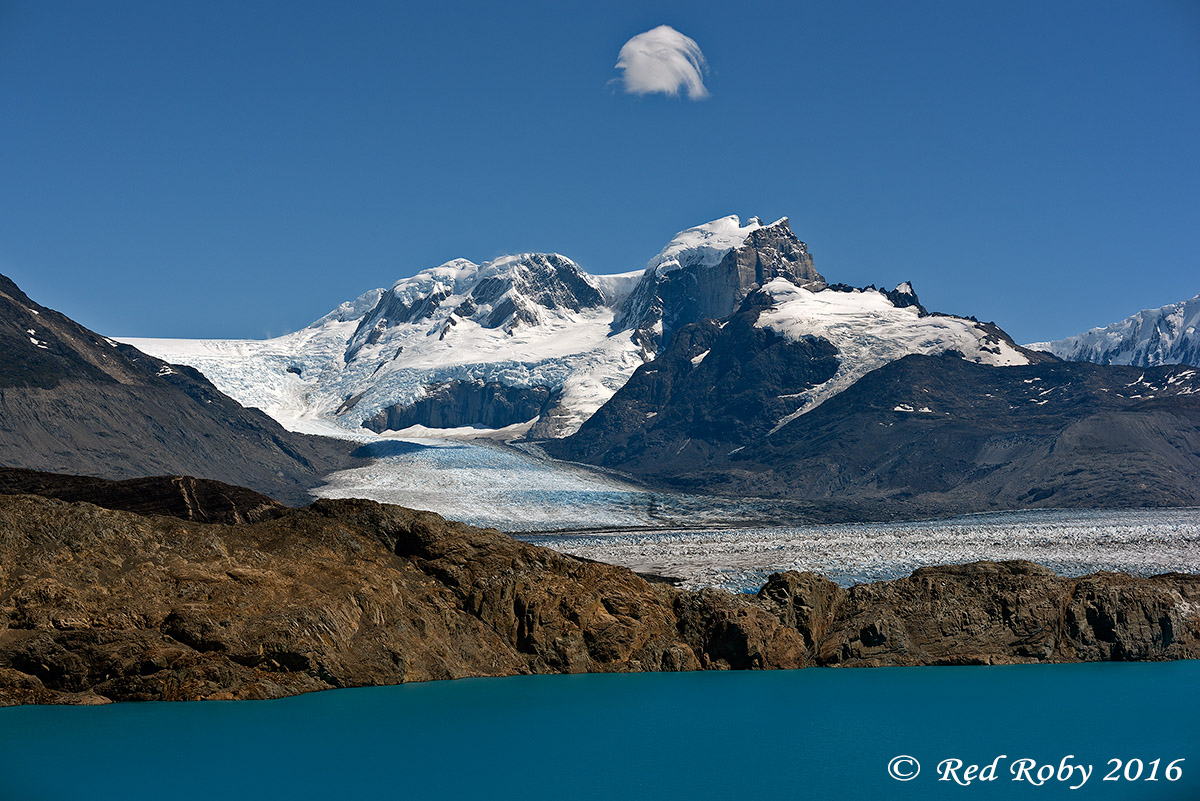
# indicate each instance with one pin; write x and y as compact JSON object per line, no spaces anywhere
{"x":663,"y":60}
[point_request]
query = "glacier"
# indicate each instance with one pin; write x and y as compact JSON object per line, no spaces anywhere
{"x":1141,"y":542}
{"x":355,"y":363}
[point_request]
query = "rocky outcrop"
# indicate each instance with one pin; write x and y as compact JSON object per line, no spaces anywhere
{"x":467,"y":403}
{"x":99,"y":605}
{"x":718,"y":386}
{"x":184,"y":497}
{"x":76,"y":402}
{"x":988,"y":613}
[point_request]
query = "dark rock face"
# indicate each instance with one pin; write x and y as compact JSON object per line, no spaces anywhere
{"x":184,"y":497}
{"x":547,"y":279}
{"x":72,"y":401}
{"x":904,"y":296}
{"x":1053,"y":434}
{"x":392,"y":311}
{"x":716,"y":387}
{"x":99,"y":605}
{"x":467,"y":403}
{"x":694,"y":293}
{"x":921,"y":436}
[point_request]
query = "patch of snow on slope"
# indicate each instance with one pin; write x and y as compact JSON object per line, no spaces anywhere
{"x":351,"y":310}
{"x":868,"y":332}
{"x":705,"y":245}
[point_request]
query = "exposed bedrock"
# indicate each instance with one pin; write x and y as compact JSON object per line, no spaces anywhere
{"x":99,"y":605}
{"x":466,"y":403}
{"x":718,"y":386}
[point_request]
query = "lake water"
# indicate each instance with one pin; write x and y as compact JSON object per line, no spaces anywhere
{"x":809,"y":734}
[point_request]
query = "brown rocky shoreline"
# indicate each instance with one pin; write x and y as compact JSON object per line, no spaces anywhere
{"x":100,"y":605}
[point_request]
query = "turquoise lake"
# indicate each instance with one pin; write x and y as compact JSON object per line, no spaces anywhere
{"x":817,"y":733}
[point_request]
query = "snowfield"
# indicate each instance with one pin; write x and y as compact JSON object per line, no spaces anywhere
{"x":868,"y":332}
{"x":705,"y":245}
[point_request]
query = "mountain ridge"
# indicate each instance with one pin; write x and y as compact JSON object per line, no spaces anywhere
{"x":528,"y":324}
{"x":74,"y":401}
{"x":920,"y":436}
{"x":1149,"y":338}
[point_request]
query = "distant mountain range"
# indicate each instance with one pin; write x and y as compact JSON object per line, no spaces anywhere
{"x":728,"y":365}
{"x":533,"y":340}
{"x":1150,"y":338}
{"x":524,"y":339}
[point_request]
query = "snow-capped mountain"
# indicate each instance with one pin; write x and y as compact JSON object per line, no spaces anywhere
{"x":517,"y":338}
{"x":533,"y":340}
{"x":529,"y":338}
{"x":861,"y":397}
{"x":721,"y":385}
{"x":506,"y":294}
{"x":1150,"y":338}
{"x":707,"y":271}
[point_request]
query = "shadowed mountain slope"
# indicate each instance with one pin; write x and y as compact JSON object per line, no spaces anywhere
{"x":921,"y":435}
{"x":73,"y":401}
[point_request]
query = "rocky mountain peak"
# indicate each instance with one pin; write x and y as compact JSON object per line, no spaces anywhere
{"x":504,"y":293}
{"x":707,"y":271}
{"x":514,"y":287}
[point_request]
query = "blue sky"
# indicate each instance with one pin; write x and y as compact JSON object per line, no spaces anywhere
{"x":237,"y":169}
